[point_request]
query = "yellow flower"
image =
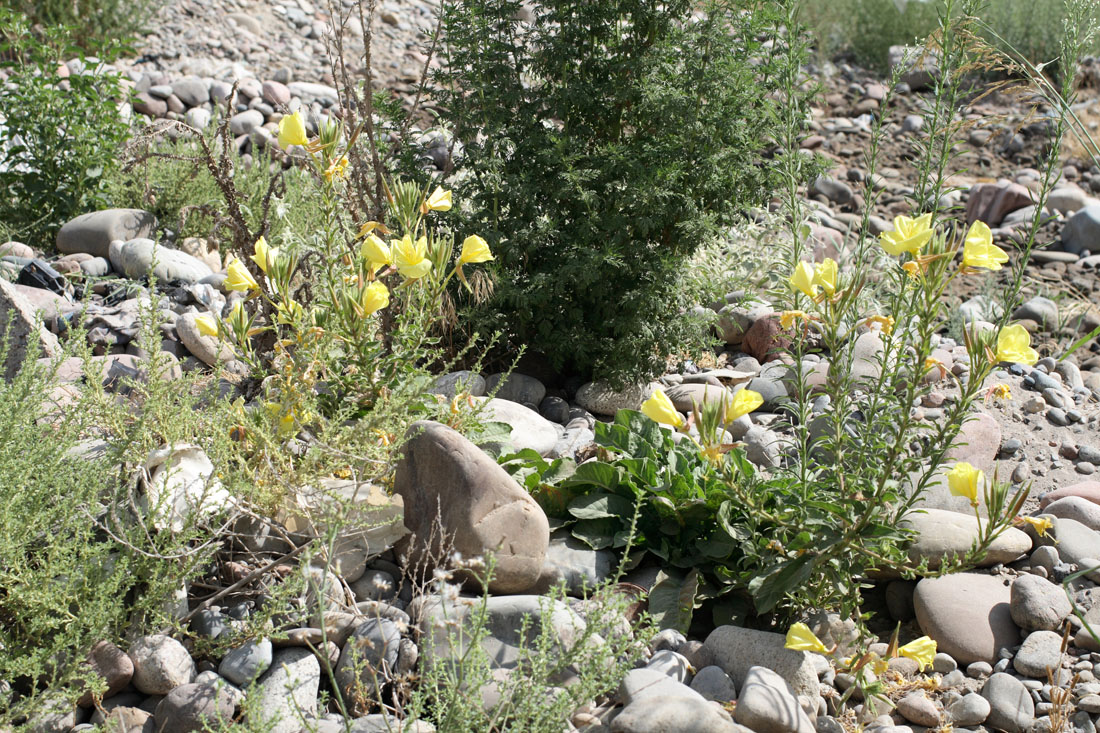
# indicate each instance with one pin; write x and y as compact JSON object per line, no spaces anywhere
{"x":912,"y":268}
{"x":801,"y":639}
{"x":264,"y":256}
{"x":787,"y":318}
{"x":238,"y":277}
{"x":979,"y":250}
{"x":886,"y":323}
{"x":336,"y":169}
{"x":288,"y":311}
{"x":803,"y":279}
{"x":825,"y":276}
{"x":963,"y":480}
{"x":474,"y":250}
{"x":659,"y":408}
{"x":1014,"y":345}
{"x":909,"y":235}
{"x":376,"y":252}
{"x":411,"y":260}
{"x":369,"y":227}
{"x":744,"y":402}
{"x":207,"y":325}
{"x":931,"y":363}
{"x":286,"y":419}
{"x":292,"y":131}
{"x":879,"y":665}
{"x":1041,"y":524}
{"x":922,"y":651}
{"x":440,"y":200}
{"x":376,"y":296}
{"x":1001,"y":391}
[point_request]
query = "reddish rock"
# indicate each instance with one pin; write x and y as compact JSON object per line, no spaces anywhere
{"x":764,"y":340}
{"x":992,"y":202}
{"x":146,"y":104}
{"x":113,"y":665}
{"x":1089,"y":490}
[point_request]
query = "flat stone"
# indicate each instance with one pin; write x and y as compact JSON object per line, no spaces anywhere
{"x":243,"y":664}
{"x":1082,"y":230}
{"x":916,"y":707}
{"x":207,"y":349}
{"x":673,"y":715}
{"x":574,"y":564}
{"x":736,"y":650}
{"x":465,"y":381}
{"x":639,"y":684}
{"x":1076,"y":508}
{"x":94,"y":232}
{"x":1073,"y":540}
{"x":942,"y":533}
{"x":528,"y":428}
{"x":969,"y":710}
{"x":289,"y":686}
{"x":1089,"y":490}
{"x":599,"y":399}
{"x":138,"y":258}
{"x":967,"y":614}
{"x":516,"y":387}
{"x":196,"y":707}
{"x":685,"y":396}
{"x":714,"y":684}
{"x":367,"y":660}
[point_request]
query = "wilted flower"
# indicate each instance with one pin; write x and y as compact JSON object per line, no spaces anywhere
{"x":292,"y":131}
{"x":886,"y":323}
{"x":1041,"y":524}
{"x":288,"y":311}
{"x":743,"y":402}
{"x":963,"y":480}
{"x":1001,"y":391}
{"x":474,"y":250}
{"x":238,"y":277}
{"x":909,"y":235}
{"x":287,"y":419}
{"x":411,"y":260}
{"x":376,"y":296}
{"x":659,"y":408}
{"x":369,"y":227}
{"x":922,"y":651}
{"x":440,"y":200}
{"x":1014,"y":345}
{"x":336,"y":169}
{"x":207,"y":325}
{"x":263,"y":255}
{"x":803,"y":279}
{"x":912,"y":268}
{"x":787,"y":318}
{"x":979,"y":250}
{"x":801,"y":639}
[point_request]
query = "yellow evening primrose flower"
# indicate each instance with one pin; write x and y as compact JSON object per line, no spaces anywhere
{"x":1041,"y":524}
{"x":440,"y":200}
{"x":1014,"y":345}
{"x":922,"y":651}
{"x":238,"y":277}
{"x":886,"y":323}
{"x":963,"y":480}
{"x":979,"y":250}
{"x":207,"y":325}
{"x":336,"y":169}
{"x":825,"y":276}
{"x":909,"y":235}
{"x":263,"y":255}
{"x":801,"y":639}
{"x":376,"y":252}
{"x":743,"y":402}
{"x":803,"y":279}
{"x":376,"y":296}
{"x":292,"y":130}
{"x":912,"y":268}
{"x":411,"y":260}
{"x":787,"y":318}
{"x":659,"y":408}
{"x":474,"y":250}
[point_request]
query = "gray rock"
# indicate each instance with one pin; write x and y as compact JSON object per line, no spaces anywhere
{"x":762,"y":446}
{"x":243,"y":123}
{"x":207,"y":349}
{"x":685,"y":396}
{"x":382,"y":723}
{"x":289,"y":686}
{"x":921,"y":67}
{"x":673,"y":715}
{"x":197,"y":117}
{"x":1075,"y":541}
{"x":736,"y":650}
{"x":941,"y":533}
{"x":528,"y":428}
{"x":516,"y":387}
{"x":161,"y":664}
{"x":572,"y":562}
{"x":137,"y":258}
{"x":639,"y":684}
{"x":113,"y":666}
{"x":1040,"y":653}
{"x":1082,"y":230}
{"x":1043,"y":311}
{"x":838,"y":192}
{"x":967,"y":614}
{"x":969,"y":710}
{"x":243,"y":664}
{"x":197,"y":707}
{"x":374,"y":585}
{"x":367,"y":660}
{"x":670,"y":664}
{"x":95,"y":267}
{"x":94,"y":232}
{"x":714,"y":684}
{"x":916,"y":707}
{"x":1011,"y":707}
{"x":767,"y":704}
{"x":19,"y":325}
{"x":599,"y":399}
{"x":1068,"y":199}
{"x":480,"y":506}
{"x":449,"y":384}
{"x":310,"y":92}
{"x":192,"y":92}
{"x":1038,"y":604}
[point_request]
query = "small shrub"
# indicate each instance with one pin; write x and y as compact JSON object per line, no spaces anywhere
{"x":604,"y":143}
{"x":98,"y":20}
{"x":60,"y":136}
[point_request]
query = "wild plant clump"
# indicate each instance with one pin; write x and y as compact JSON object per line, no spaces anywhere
{"x":604,"y":143}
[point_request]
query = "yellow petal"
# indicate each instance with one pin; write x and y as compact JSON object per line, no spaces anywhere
{"x":743,"y":402}
{"x":263,"y":255}
{"x":1014,"y":345}
{"x":376,"y":296}
{"x":207,"y":325}
{"x":410,"y":259}
{"x":440,"y":200}
{"x":803,"y":279}
{"x":922,"y":651}
{"x":659,"y":408}
{"x":474,"y":250}
{"x":292,"y":131}
{"x":238,"y":277}
{"x":979,"y":250}
{"x":825,"y":275}
{"x":909,"y":235}
{"x":1041,"y":524}
{"x":963,"y":480}
{"x":801,"y":639}
{"x":787,"y":318}
{"x":376,"y":252}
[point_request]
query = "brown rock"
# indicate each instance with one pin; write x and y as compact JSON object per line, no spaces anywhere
{"x":17,"y":323}
{"x":764,"y":340}
{"x":992,"y":202}
{"x":113,"y":665}
{"x":1089,"y":490}
{"x":968,"y":614}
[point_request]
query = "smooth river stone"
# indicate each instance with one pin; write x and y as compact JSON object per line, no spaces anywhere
{"x":968,"y":614}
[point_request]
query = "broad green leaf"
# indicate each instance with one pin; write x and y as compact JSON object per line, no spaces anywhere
{"x":601,"y":505}
{"x":768,"y":590}
{"x":672,"y":600}
{"x":596,"y":533}
{"x":603,"y":475}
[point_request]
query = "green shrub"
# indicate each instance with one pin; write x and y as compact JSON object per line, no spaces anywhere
{"x":59,"y":137}
{"x":605,"y":142}
{"x":98,"y":20}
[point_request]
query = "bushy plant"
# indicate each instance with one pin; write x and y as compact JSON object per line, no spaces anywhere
{"x":99,"y":20}
{"x":604,"y":143}
{"x":59,"y":136}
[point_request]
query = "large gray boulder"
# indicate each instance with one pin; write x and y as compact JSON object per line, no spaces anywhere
{"x":93,"y":232}
{"x":450,"y":484}
{"x":137,"y":258}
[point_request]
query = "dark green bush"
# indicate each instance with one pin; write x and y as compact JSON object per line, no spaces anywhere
{"x":98,"y":20}
{"x":605,"y":141}
{"x":59,"y":137}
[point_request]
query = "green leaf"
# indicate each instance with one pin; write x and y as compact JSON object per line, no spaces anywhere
{"x":768,"y":590}
{"x":603,"y":475}
{"x":596,"y":533}
{"x":672,"y":600}
{"x":601,"y":505}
